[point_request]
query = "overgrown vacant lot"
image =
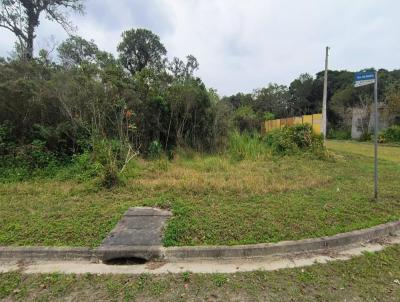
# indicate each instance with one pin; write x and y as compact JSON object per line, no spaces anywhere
{"x":214,"y":199}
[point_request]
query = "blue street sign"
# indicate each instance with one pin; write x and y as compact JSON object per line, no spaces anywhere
{"x":364,"y":78}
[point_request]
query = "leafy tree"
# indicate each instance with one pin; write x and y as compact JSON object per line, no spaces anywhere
{"x":246,"y":119}
{"x":22,"y":17}
{"x":274,"y":98}
{"x":392,"y":98}
{"x":342,"y":102}
{"x":76,"y":50}
{"x":176,"y":67}
{"x":301,"y":89}
{"x":190,"y":120}
{"x":182,"y":70}
{"x":238,"y":100}
{"x":141,"y":48}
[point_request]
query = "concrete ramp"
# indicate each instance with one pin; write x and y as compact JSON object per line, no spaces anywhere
{"x":137,"y":235}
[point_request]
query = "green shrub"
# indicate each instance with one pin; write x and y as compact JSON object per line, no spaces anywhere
{"x":290,"y":140}
{"x":26,"y":161}
{"x":12,"y":171}
{"x":110,"y":154}
{"x":155,"y":149}
{"x":365,"y":137}
{"x":110,"y":177}
{"x":107,"y":150}
{"x":7,"y":144}
{"x":36,"y":155}
{"x":246,"y":120}
{"x":81,"y":168}
{"x":246,"y":146}
{"x":339,"y":134}
{"x":390,"y":135}
{"x":268,"y":116}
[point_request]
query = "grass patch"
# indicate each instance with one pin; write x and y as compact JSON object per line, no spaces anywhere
{"x":385,"y":152}
{"x":214,"y":200}
{"x":372,"y":277}
{"x":247,"y":146}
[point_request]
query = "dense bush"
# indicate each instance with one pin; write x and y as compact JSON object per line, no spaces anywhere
{"x":246,"y":120}
{"x":390,"y":135}
{"x":290,"y":140}
{"x":7,"y":144}
{"x":23,"y":162}
{"x":365,"y":137}
{"x":81,"y":168}
{"x":110,"y":177}
{"x":339,"y":134}
{"x":155,"y":149}
{"x":86,"y":95}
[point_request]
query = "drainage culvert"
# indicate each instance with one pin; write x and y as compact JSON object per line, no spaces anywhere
{"x":138,"y":235}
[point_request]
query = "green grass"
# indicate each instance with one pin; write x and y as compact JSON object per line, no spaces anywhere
{"x":371,"y":277}
{"x":385,"y":152}
{"x":214,"y":199}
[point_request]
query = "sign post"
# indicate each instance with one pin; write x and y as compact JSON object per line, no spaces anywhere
{"x":376,"y":136}
{"x":368,"y":78}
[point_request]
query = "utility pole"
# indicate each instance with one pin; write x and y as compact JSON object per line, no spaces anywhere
{"x":325,"y":97}
{"x":376,"y":137}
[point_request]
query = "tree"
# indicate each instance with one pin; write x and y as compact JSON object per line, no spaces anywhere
{"x":141,"y":48}
{"x":392,"y":96}
{"x":245,"y":119}
{"x":22,"y":18}
{"x":301,"y":93}
{"x":341,"y":105}
{"x":238,"y":100}
{"x":182,"y":70}
{"x":76,"y":50}
{"x":275,"y":99}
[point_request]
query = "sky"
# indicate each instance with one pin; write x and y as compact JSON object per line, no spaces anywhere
{"x":242,"y":45}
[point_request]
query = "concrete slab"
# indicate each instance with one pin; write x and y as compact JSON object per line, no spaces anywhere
{"x":137,"y":235}
{"x":132,"y":237}
{"x":146,"y":211}
{"x":140,"y":222}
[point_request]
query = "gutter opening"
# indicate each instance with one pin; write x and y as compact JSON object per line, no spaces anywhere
{"x":125,"y":261}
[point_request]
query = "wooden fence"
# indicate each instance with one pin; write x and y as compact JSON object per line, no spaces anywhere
{"x":315,"y":120}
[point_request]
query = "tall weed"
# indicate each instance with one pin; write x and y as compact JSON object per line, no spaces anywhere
{"x":247,"y":146}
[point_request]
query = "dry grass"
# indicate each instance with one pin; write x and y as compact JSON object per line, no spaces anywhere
{"x":217,"y":174}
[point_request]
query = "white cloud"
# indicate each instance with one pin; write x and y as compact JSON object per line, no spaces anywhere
{"x":242,"y":45}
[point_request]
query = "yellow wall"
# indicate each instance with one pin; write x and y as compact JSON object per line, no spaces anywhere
{"x":315,"y":120}
{"x":317,"y":123}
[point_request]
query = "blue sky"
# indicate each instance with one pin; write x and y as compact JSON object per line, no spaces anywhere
{"x":243,"y":45}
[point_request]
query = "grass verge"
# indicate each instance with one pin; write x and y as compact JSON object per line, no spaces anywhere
{"x":385,"y":152}
{"x":371,"y":277}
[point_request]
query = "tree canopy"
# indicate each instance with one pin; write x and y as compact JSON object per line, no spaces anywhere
{"x":141,"y":48}
{"x":22,"y":17}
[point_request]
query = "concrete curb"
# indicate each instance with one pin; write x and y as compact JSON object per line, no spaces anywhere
{"x":204,"y":252}
{"x":283,"y":247}
{"x":45,"y":253}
